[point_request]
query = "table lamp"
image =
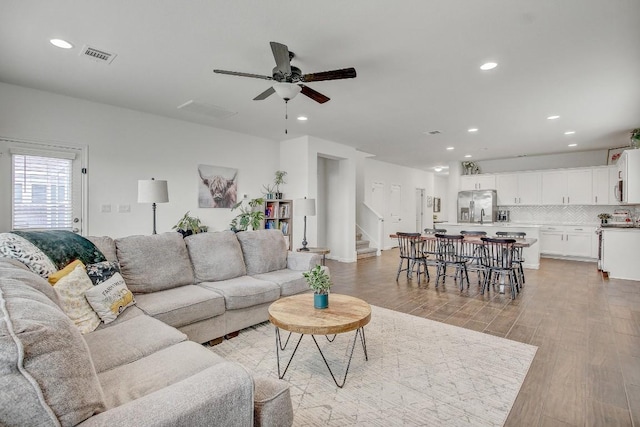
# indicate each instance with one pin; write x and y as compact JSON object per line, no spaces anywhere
{"x":153,"y":191}
{"x":305,"y":207}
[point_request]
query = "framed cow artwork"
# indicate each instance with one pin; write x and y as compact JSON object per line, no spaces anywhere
{"x":217,"y":187}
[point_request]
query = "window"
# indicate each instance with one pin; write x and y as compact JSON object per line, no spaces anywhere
{"x":42,"y":188}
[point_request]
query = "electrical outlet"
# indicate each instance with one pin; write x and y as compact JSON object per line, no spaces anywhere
{"x":105,"y":208}
{"x":124,"y":208}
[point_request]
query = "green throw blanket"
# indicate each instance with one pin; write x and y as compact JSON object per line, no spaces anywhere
{"x":62,"y":246}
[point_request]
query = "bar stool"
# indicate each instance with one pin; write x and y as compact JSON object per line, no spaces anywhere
{"x":449,"y":253}
{"x":497,"y":260}
{"x":518,"y":258}
{"x":411,"y":248}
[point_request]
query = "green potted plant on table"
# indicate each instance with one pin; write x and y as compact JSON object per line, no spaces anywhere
{"x":189,"y":225}
{"x":320,"y":282}
{"x":248,"y":216}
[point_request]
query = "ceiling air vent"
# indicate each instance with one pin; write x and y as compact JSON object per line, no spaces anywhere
{"x":204,"y":109}
{"x":434,"y":132}
{"x":97,"y":55}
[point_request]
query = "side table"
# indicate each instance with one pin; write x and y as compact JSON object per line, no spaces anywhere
{"x":320,"y":251}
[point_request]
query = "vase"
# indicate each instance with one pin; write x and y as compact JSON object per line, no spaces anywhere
{"x":320,"y":300}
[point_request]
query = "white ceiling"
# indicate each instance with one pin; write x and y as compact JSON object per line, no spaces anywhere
{"x":417,"y":63}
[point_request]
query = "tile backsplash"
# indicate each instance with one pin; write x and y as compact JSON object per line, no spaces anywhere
{"x":578,"y":214}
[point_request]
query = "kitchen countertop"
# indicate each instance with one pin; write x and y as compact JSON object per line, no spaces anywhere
{"x":522,"y":224}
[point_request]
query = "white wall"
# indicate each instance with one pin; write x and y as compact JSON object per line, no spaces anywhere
{"x":126,"y":145}
{"x":409,"y":179}
{"x":440,"y":189}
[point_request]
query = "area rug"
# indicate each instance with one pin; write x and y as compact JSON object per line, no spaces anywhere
{"x":419,"y":373}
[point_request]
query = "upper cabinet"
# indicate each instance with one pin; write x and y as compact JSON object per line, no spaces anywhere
{"x":518,"y":188}
{"x":567,"y":187}
{"x":477,"y":182}
{"x":602,"y":184}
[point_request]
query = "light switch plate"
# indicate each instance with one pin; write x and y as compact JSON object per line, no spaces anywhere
{"x":105,"y":208}
{"x":124,"y":208}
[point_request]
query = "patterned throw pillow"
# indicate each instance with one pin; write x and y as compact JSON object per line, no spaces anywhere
{"x":110,"y":298}
{"x":70,"y":290}
{"x":19,"y":248}
{"x":53,"y":278}
{"x":102,"y":271}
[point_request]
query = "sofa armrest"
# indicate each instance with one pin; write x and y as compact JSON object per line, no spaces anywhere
{"x":219,"y":395}
{"x":302,"y":261}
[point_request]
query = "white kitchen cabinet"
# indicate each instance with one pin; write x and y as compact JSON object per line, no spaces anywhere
{"x":602,"y":186}
{"x":567,"y":187}
{"x":518,"y":188}
{"x":571,"y":241}
{"x":477,"y":182}
{"x":620,"y":249}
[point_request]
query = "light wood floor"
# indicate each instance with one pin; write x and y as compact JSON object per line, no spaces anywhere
{"x":587,"y":368}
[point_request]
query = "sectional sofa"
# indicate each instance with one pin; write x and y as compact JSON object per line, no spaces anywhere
{"x":148,"y":368}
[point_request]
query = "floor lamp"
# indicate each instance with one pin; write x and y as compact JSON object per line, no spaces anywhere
{"x":305,"y":207}
{"x":153,"y":191}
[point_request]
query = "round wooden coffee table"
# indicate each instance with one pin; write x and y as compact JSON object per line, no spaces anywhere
{"x":296,"y":314}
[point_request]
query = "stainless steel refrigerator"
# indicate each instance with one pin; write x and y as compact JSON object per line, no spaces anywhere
{"x":477,"y":207}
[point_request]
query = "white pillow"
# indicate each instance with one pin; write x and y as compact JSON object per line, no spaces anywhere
{"x":70,"y":290}
{"x":110,"y":298}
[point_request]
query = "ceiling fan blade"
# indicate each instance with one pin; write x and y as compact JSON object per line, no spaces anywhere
{"x":281,"y":55}
{"x":315,"y":95}
{"x":265,"y":94}
{"x":344,"y":73}
{"x":237,"y":73}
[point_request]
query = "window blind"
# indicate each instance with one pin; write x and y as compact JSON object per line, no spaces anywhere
{"x":41,"y":192}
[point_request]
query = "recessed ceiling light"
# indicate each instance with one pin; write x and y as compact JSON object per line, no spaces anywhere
{"x":472,"y":130}
{"x":302,"y":118}
{"x":573,"y":145}
{"x":62,"y":44}
{"x":437,"y":169}
{"x":450,"y":148}
{"x":570,"y":132}
{"x":488,"y":66}
{"x":468,"y":156}
{"x":553,"y":117}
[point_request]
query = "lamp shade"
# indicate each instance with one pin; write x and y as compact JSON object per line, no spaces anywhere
{"x":287,"y":91}
{"x":152,"y":191}
{"x":305,"y":207}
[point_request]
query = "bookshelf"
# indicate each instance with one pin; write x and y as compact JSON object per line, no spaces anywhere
{"x":278,"y":214}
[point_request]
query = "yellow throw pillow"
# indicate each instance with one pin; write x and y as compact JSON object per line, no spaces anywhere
{"x":53,"y":278}
{"x":70,"y":290}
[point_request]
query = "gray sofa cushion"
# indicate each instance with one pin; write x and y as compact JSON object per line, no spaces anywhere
{"x":244,"y":291}
{"x":129,"y":341}
{"x":106,"y":245}
{"x":47,"y":373}
{"x":215,"y":256}
{"x":155,"y":371}
{"x":291,"y":282}
{"x":181,"y":306}
{"x":153,"y":263}
{"x":263,"y":250}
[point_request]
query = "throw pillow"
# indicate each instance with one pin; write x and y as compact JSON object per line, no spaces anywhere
{"x":70,"y":290}
{"x":110,"y":298}
{"x":19,"y":248}
{"x":53,"y":278}
{"x":102,"y":271}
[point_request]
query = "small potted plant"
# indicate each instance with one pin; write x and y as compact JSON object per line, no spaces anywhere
{"x":249,"y":216}
{"x":320,"y":282}
{"x":604,"y":217}
{"x":278,"y":181}
{"x":635,"y":138}
{"x":268,"y":191}
{"x":189,"y":225}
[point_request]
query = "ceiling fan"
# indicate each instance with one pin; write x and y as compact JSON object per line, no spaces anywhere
{"x":289,"y":79}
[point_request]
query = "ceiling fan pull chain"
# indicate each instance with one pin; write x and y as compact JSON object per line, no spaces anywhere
{"x":286,"y":115}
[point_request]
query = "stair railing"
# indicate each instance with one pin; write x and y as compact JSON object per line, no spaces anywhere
{"x":371,"y":224}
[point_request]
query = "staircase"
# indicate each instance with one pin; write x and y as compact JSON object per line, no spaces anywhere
{"x":362,"y":248}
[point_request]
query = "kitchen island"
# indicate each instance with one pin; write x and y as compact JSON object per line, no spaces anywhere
{"x":621,"y":253}
{"x":531,"y":254}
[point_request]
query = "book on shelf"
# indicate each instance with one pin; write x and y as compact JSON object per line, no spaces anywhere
{"x":284,"y":210}
{"x":284,"y":227}
{"x":270,"y":224}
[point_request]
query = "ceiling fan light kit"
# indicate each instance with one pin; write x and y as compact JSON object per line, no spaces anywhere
{"x":287,"y":91}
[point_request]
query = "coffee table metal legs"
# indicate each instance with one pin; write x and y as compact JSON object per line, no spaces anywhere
{"x":279,"y":346}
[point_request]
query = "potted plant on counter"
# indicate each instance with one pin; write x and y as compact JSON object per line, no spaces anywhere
{"x":189,"y":225}
{"x":320,"y":282}
{"x":604,"y":217}
{"x":635,"y":138}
